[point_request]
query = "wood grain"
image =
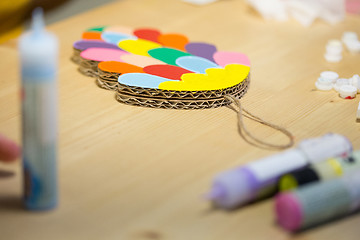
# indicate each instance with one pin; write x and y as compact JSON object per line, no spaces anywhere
{"x":136,"y":173}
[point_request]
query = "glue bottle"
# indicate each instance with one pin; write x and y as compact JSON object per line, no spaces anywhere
{"x":258,"y":179}
{"x":39,"y":60}
{"x":321,"y":171}
{"x":318,"y":202}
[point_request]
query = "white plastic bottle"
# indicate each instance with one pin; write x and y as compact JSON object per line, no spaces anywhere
{"x":39,"y":61}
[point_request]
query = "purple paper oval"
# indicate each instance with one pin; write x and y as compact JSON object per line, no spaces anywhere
{"x":200,"y":49}
{"x":85,"y":44}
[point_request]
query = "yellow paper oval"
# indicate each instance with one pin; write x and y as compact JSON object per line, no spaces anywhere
{"x":214,"y":79}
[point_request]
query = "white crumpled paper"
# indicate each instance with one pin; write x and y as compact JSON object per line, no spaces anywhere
{"x":304,"y":11}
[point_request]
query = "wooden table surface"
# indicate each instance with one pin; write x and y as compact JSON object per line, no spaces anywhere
{"x":138,"y":173}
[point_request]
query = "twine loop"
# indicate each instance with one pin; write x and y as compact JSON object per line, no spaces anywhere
{"x":246,"y":134}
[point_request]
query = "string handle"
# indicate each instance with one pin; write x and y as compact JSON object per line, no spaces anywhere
{"x":245,"y":133}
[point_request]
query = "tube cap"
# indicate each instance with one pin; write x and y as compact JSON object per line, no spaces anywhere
{"x":288,"y":211}
{"x":355,"y":81}
{"x":323,"y":84}
{"x":340,"y":82}
{"x":330,"y":75}
{"x":347,"y":91}
{"x":332,"y":57}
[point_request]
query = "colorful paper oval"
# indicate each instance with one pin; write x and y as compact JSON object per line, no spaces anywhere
{"x":200,"y":49}
{"x":96,"y":29}
{"x":119,"y":67}
{"x":85,"y":44}
{"x":115,"y":38}
{"x":119,"y":29}
{"x":102,"y":54}
{"x":91,"y":36}
{"x":214,"y":79}
{"x":138,"y":46}
{"x":166,"y":71}
{"x":195,"y":64}
{"x":173,"y":40}
{"x":147,"y":34}
{"x":167,"y":55}
{"x":138,"y":60}
{"x":143,"y":80}
{"x":224,"y":58}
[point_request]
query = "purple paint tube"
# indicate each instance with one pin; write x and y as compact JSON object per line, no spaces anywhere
{"x":257,"y":179}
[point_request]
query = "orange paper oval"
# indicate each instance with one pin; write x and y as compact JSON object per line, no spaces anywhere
{"x":173,"y":40}
{"x":119,"y":67}
{"x":92,"y":36}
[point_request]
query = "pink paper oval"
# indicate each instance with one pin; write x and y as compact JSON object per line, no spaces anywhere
{"x":102,"y":54}
{"x":225,"y":58}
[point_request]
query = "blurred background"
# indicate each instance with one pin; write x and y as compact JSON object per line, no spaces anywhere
{"x":14,"y":14}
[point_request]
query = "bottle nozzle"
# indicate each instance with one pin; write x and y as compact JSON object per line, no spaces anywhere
{"x":37,"y":24}
{"x":215,"y":193}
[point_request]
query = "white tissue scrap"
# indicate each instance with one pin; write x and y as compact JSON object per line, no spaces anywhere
{"x":304,"y":11}
{"x":270,"y":9}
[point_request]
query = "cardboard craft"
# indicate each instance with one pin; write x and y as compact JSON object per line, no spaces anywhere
{"x":163,"y":70}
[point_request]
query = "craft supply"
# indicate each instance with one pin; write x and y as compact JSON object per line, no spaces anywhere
{"x":324,"y":84}
{"x":304,"y":11}
{"x":349,"y":36}
{"x":166,"y":71}
{"x":148,"y":34}
{"x":195,"y":64}
{"x":353,"y":46}
{"x":173,"y":40}
{"x":347,"y":91}
{"x":223,"y":58}
{"x":329,"y":75}
{"x":258,"y":179}
{"x":91,"y":57}
{"x":115,"y":38}
{"x":318,"y":202}
{"x":350,"y":39}
{"x":91,"y":36}
{"x":109,"y":72}
{"x":326,"y":80}
{"x":347,"y":88}
{"x":117,"y":29}
{"x":333,"y":51}
{"x":204,"y":83}
{"x":355,"y":81}
{"x":340,"y":82}
{"x":138,"y":46}
{"x":320,"y":171}
{"x":170,"y":76}
{"x":39,"y":59}
{"x":200,"y":49}
{"x":82,"y":45}
{"x":167,"y":55}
